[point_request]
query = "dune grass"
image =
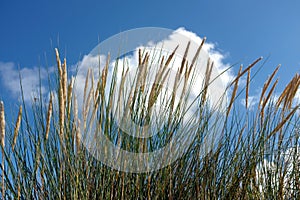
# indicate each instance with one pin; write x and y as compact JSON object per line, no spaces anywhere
{"x":43,"y":158}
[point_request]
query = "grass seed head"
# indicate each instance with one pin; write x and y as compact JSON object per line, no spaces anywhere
{"x":236,"y":83}
{"x":49,"y":115}
{"x":60,"y":72}
{"x":64,"y":82}
{"x":17,"y":127}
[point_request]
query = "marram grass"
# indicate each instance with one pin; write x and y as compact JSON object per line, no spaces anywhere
{"x":45,"y":159}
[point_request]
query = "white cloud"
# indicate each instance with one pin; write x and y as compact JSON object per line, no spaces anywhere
{"x":214,"y":54}
{"x":30,"y":80}
{"x":178,"y":37}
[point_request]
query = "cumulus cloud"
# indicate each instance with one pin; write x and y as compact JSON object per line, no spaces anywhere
{"x":30,"y":77}
{"x":216,"y":56}
{"x":179,"y":37}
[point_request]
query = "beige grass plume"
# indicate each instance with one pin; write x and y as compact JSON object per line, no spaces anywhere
{"x":17,"y":127}
{"x":62,"y":92}
{"x":69,"y":96}
{"x":233,"y":95}
{"x":49,"y":115}
{"x":64,"y":80}
{"x":289,"y":93}
{"x":266,"y":85}
{"x":76,"y":120}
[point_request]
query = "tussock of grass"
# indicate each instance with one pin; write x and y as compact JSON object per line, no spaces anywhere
{"x":46,"y":160}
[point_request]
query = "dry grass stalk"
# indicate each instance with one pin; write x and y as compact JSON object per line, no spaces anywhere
{"x":60,"y":73}
{"x":197,"y":54}
{"x":87,"y":101}
{"x":84,"y":112}
{"x":159,"y":79}
{"x":283,"y":95}
{"x":17,"y":127}
{"x":76,"y":120}
{"x":266,"y":84}
{"x":289,"y":93}
{"x":140,"y":56}
{"x":19,"y":188}
{"x":121,"y":89}
{"x":265,"y":101}
{"x":171,"y":56}
{"x":183,"y":62}
{"x":144,"y":74}
{"x":208,"y":72}
{"x":89,"y":98}
{"x":94,"y":109}
{"x":139,"y":82}
{"x":102,"y":82}
{"x":161,"y":69}
{"x":246,"y":70}
{"x":96,"y":95}
{"x":85,"y":87}
{"x":104,"y":72}
{"x":188,"y":69}
{"x":282,"y":123}
{"x":61,"y":96}
{"x":64,"y":80}
{"x":155,"y":91}
{"x":75,"y":108}
{"x":42,"y":180}
{"x":177,"y":78}
{"x":70,"y":93}
{"x":270,"y":78}
{"x":61,"y":112}
{"x":234,"y":91}
{"x":78,"y":136}
{"x":49,"y":115}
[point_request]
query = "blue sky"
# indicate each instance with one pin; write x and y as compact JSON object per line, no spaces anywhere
{"x":241,"y":30}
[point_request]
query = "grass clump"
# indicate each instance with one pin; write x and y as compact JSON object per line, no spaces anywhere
{"x":256,"y":157}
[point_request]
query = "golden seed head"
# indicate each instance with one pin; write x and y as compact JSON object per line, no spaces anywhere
{"x":64,"y":80}
{"x":17,"y":127}
{"x":58,"y":62}
{"x":49,"y":115}
{"x":233,"y":95}
{"x":78,"y":136}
